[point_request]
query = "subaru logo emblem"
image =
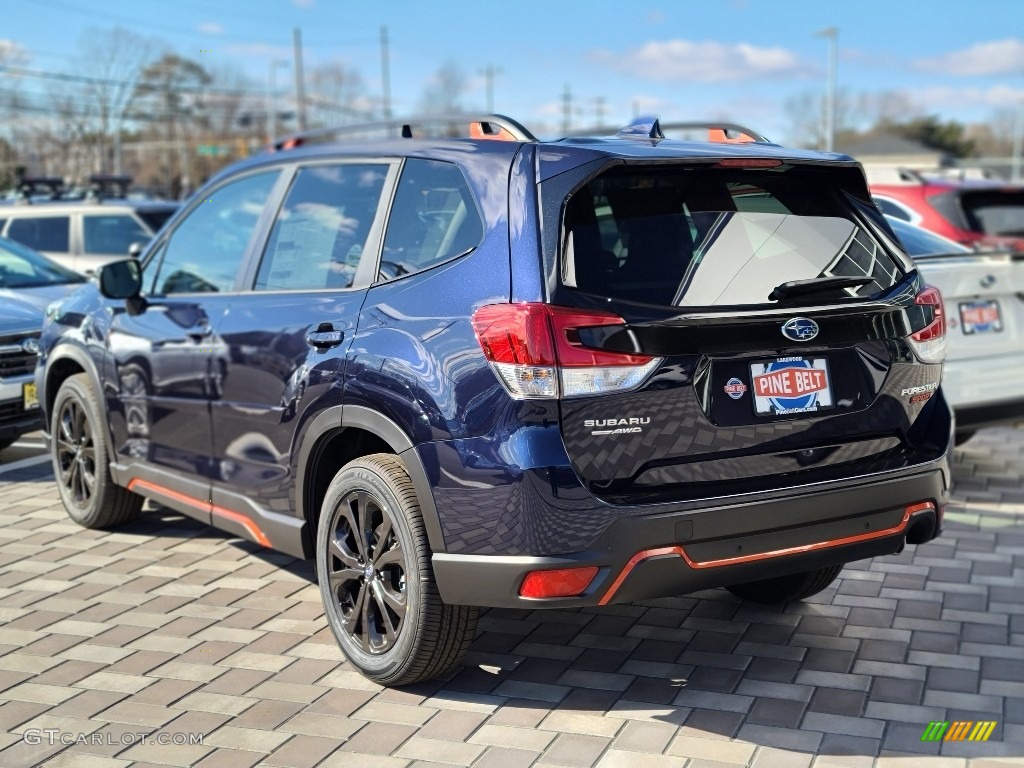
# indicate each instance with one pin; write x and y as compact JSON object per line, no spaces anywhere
{"x":800,"y":329}
{"x":31,"y":346}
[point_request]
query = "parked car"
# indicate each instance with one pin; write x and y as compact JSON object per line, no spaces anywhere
{"x":497,"y":371}
{"x":82,"y":229}
{"x":979,"y":213}
{"x":29,"y":282}
{"x":983,"y":376}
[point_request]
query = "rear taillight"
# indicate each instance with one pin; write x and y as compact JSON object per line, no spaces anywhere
{"x":929,"y":342}
{"x":537,"y":353}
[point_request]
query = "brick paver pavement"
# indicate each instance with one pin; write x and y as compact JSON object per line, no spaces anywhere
{"x":166,"y":628}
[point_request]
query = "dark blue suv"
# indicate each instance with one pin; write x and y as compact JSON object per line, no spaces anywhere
{"x":497,"y":371}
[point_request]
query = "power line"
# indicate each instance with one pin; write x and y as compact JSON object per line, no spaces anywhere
{"x":191,"y":32}
{"x":104,"y":81}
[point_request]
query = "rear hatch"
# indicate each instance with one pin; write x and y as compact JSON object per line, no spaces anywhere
{"x":744,"y":383}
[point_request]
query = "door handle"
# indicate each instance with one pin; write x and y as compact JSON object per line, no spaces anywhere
{"x":325,"y":337}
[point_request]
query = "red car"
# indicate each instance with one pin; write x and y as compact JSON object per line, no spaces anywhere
{"x":976,"y":213}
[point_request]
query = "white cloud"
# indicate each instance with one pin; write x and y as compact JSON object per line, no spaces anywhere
{"x":211,"y":28}
{"x":702,"y":62}
{"x":12,"y":53}
{"x":945,"y":97}
{"x":993,"y":58}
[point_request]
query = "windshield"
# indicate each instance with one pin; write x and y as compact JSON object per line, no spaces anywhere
{"x":21,"y":267}
{"x":996,"y":212}
{"x":921,"y":242}
{"x":699,"y":238}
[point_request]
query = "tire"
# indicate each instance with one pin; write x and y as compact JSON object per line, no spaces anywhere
{"x":786,"y":589}
{"x":373,"y":494}
{"x":78,"y":449}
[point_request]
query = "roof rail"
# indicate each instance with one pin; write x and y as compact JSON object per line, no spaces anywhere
{"x":647,"y":127}
{"x":719,"y":131}
{"x":480,"y":127}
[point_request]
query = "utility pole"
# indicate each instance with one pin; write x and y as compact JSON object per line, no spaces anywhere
{"x":599,"y":109}
{"x":566,"y":110}
{"x":385,"y":73}
{"x":300,"y":94}
{"x":489,"y":73}
{"x":1018,"y":142}
{"x":832,"y":33}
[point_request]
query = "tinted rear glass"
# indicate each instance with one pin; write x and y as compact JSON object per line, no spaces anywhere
{"x":996,"y":212}
{"x":711,"y":237}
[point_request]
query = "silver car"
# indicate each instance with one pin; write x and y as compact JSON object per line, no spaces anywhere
{"x":83,"y":236}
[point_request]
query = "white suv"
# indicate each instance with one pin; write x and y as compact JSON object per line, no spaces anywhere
{"x":83,"y":235}
{"x":983,"y":377}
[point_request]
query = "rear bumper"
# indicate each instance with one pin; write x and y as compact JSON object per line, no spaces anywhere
{"x":971,"y":418}
{"x":671,"y":554}
{"x":985,"y":392}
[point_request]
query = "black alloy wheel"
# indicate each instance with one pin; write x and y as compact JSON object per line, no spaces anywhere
{"x":373,"y":562}
{"x":80,"y":456}
{"x":75,"y":453}
{"x":367,"y":571}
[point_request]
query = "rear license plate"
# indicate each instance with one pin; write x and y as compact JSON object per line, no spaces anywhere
{"x":980,"y":317}
{"x":791,"y":385}
{"x":28,"y":396}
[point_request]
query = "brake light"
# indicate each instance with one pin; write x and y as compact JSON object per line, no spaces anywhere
{"x":537,"y":352}
{"x":748,"y":162}
{"x":929,"y":342}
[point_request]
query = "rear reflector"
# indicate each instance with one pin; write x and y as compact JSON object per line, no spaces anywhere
{"x":537,"y":352}
{"x":929,"y":343}
{"x":564,"y":582}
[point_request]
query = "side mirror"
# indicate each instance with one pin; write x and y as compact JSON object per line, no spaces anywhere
{"x":135,"y":249}
{"x":123,"y":280}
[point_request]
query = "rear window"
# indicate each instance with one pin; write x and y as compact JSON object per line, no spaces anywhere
{"x":710,"y":237}
{"x":995,"y":212}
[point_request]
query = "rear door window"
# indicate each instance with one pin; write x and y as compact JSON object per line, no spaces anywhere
{"x":321,"y":232}
{"x":714,"y":237}
{"x":434,"y":218}
{"x":43,"y":233}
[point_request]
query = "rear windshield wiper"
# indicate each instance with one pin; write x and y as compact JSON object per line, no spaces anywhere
{"x":816,"y":285}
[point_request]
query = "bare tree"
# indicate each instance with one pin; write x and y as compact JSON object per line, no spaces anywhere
{"x":337,"y":95}
{"x":444,"y":92}
{"x":114,"y":59}
{"x":173,"y":90}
